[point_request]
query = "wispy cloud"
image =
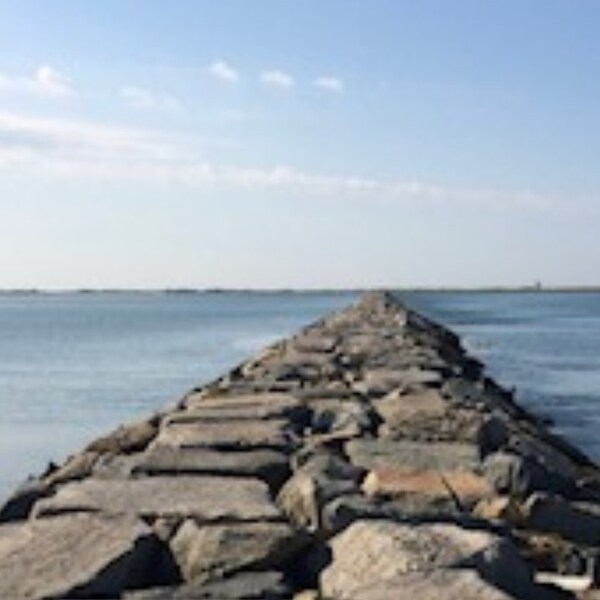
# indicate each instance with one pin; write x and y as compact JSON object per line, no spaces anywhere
{"x":60,"y":148}
{"x":277,"y":79}
{"x":143,"y":99}
{"x":223,"y":71}
{"x":329,"y":83}
{"x":45,"y":81}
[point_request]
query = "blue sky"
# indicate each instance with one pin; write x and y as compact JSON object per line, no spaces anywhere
{"x":330,"y":143}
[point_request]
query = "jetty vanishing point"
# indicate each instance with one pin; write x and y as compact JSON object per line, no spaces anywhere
{"x":367,"y":457}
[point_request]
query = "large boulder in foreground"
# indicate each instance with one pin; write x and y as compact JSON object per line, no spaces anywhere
{"x":81,"y":556}
{"x":205,"y":498}
{"x":369,"y":552}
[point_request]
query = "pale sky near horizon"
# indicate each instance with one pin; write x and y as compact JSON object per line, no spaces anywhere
{"x":317,"y":143}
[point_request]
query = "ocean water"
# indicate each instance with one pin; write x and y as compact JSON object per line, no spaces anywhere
{"x":74,"y":366}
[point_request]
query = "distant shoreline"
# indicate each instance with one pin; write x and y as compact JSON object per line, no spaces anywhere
{"x":266,"y":291}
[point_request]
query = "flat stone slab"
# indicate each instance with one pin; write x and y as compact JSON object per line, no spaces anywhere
{"x":376,"y":453}
{"x":368,"y":552}
{"x":230,"y":434}
{"x":74,"y":556}
{"x":383,"y":381}
{"x":205,"y":498}
{"x":269,"y":465}
{"x":249,"y":406}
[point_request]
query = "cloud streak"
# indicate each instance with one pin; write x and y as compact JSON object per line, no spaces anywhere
{"x":143,"y":99}
{"x":82,"y":150}
{"x":224,"y":72}
{"x":277,"y":79}
{"x":44,"y":81}
{"x":329,"y":83}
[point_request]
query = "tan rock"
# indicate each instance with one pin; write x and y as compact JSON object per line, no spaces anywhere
{"x":464,"y":485}
{"x":127,"y":438}
{"x":206,"y":498}
{"x":499,"y":508}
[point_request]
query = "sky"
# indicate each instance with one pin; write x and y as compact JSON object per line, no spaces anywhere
{"x":308,"y":144}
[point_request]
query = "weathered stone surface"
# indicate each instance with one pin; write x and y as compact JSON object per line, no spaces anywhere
{"x":76,"y":467}
{"x":378,"y":382}
{"x":79,"y":556}
{"x":368,"y":552}
{"x":441,"y":584}
{"x":318,"y":481}
{"x":205,"y":498}
{"x":127,"y":438}
{"x":227,"y":434}
{"x":269,"y":465}
{"x":464,"y":486}
{"x":19,"y":504}
{"x":250,"y":406}
{"x":521,"y":475}
{"x":260,"y":585}
{"x":347,"y":419}
{"x":371,"y":454}
{"x":209,"y":551}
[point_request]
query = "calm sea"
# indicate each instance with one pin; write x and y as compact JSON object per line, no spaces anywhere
{"x":73,"y":366}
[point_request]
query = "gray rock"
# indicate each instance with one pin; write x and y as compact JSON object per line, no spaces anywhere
{"x":519,"y":476}
{"x":230,"y":434}
{"x":317,"y":482}
{"x":250,"y":406}
{"x":261,"y":585}
{"x":349,"y":418}
{"x":371,"y":454}
{"x":269,"y":465}
{"x":79,"y":556}
{"x":204,"y":552}
{"x":205,"y":498}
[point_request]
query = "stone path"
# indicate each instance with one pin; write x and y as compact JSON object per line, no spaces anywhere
{"x":366,"y":457}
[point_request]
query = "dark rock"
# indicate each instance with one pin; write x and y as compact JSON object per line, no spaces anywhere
{"x":21,"y":501}
{"x":571,"y":521}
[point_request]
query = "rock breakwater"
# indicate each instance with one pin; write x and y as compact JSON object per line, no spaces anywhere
{"x":366,"y":457}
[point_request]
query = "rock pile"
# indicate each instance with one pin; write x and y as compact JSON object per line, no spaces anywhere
{"x":367,"y":457}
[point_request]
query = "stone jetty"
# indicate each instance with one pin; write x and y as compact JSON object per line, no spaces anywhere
{"x":367,"y":457}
